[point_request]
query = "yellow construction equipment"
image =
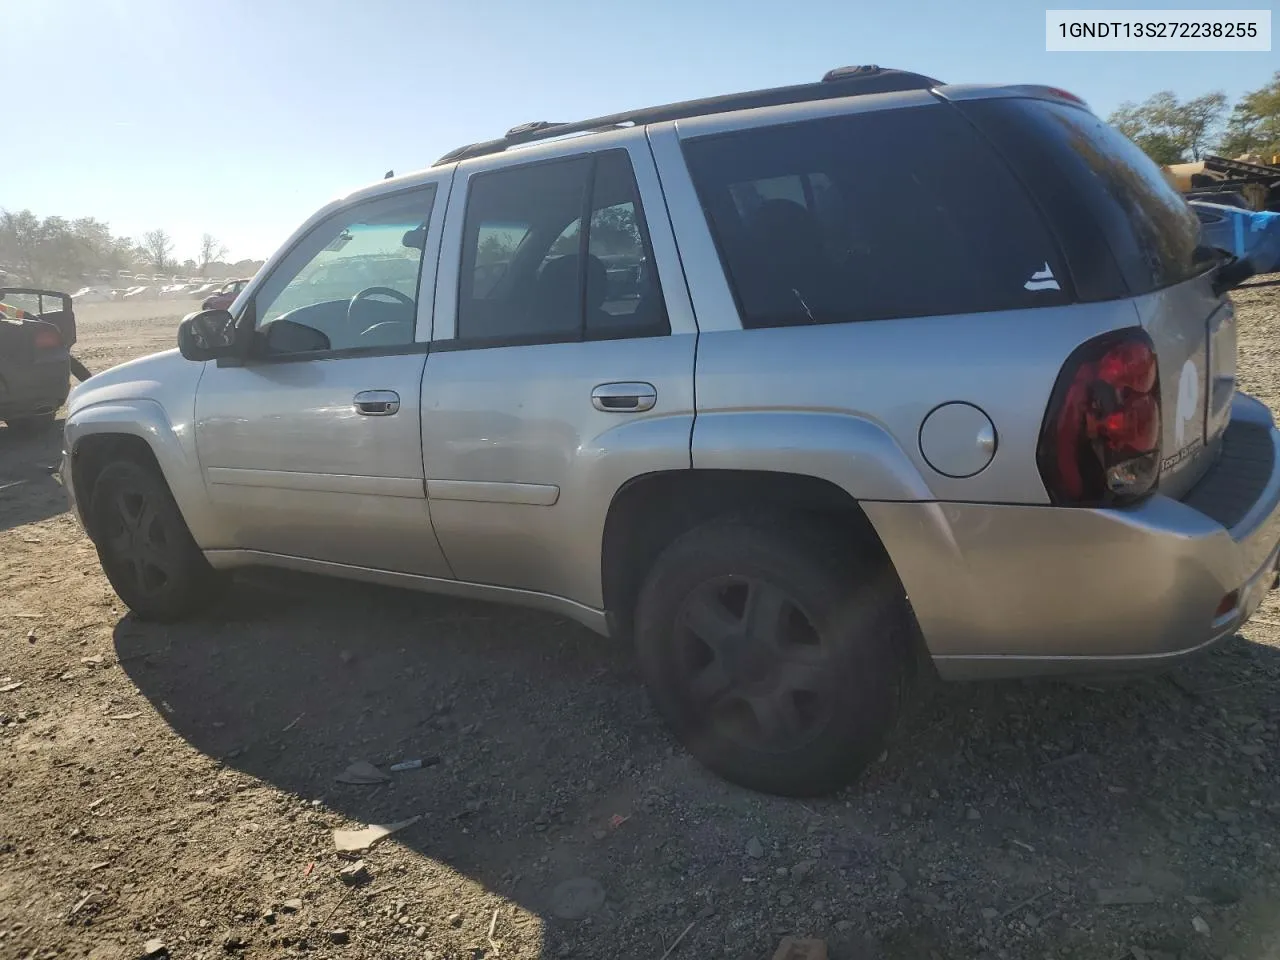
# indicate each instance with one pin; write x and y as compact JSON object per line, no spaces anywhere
{"x":1257,"y":182}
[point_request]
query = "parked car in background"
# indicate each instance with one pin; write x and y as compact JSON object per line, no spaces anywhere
{"x":225,"y":295}
{"x":37,"y":330}
{"x":96,"y":294}
{"x":841,"y":402}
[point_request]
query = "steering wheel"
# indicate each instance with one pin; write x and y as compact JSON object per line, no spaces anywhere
{"x":368,"y":292}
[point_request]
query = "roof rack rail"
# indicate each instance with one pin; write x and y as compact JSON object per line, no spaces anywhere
{"x":840,"y":82}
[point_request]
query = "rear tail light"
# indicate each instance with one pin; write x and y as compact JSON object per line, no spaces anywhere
{"x":46,"y":337}
{"x":1100,"y":442}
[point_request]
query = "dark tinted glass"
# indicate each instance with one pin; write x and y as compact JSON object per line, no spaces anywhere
{"x":1146,"y":224}
{"x":623,"y":295}
{"x":509,"y":291}
{"x":529,"y":275}
{"x":898,"y":213}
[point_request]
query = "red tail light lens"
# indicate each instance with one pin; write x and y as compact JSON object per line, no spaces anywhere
{"x":1100,"y":442}
{"x":46,"y":337}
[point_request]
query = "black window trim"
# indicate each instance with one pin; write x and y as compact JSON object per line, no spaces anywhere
{"x":458,"y":342}
{"x":248,"y":318}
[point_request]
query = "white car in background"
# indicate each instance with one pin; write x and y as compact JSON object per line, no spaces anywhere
{"x":94,"y":294}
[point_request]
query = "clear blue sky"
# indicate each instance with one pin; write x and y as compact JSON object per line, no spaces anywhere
{"x":240,"y":117}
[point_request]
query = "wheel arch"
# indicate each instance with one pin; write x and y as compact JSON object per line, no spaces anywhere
{"x":650,"y":511}
{"x":137,"y":430}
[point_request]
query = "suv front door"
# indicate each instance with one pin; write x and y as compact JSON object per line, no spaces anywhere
{"x":311,"y":448}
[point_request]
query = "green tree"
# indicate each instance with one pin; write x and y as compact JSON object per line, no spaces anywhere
{"x":1170,"y":130}
{"x":157,"y":249}
{"x":21,"y":244}
{"x":211,"y":249}
{"x":1254,"y":125}
{"x":56,"y":252}
{"x":1161,"y":148}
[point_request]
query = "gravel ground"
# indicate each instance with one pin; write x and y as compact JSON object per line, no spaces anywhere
{"x":177,"y":784}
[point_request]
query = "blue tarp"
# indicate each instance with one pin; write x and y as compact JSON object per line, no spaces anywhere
{"x":1245,"y":233}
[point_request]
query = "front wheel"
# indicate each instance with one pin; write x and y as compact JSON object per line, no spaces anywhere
{"x":775,"y":652}
{"x":145,"y":547}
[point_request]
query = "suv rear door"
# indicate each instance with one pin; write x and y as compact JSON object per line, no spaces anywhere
{"x":1127,"y":232}
{"x":562,"y":359}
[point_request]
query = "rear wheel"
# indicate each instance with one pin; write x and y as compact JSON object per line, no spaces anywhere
{"x":32,"y":425}
{"x":775,"y":652}
{"x":145,"y":547}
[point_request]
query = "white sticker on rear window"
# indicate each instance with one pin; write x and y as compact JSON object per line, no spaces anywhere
{"x":1042,"y":280}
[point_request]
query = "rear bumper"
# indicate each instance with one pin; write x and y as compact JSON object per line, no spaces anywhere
{"x":1026,"y":590}
{"x":32,"y":389}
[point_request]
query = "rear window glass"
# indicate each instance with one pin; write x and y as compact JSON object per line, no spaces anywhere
{"x":871,"y":216}
{"x":1151,"y":232}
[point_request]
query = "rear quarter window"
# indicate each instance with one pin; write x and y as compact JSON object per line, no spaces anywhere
{"x":871,"y":216}
{"x":1072,"y":159}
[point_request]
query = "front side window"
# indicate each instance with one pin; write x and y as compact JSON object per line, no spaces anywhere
{"x":529,"y":275}
{"x":897,"y":213}
{"x":354,"y":278}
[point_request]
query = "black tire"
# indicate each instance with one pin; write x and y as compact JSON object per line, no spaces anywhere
{"x":804,"y":711}
{"x":29,"y":426}
{"x":145,"y":547}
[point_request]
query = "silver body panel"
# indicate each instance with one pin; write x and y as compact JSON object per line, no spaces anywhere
{"x":494,"y":474}
{"x":304,"y":474}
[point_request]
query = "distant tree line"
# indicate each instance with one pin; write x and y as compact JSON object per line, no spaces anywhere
{"x":61,"y":253}
{"x":1177,"y":131}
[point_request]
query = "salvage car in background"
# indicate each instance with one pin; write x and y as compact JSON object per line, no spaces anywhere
{"x":37,"y":329}
{"x":225,"y":296}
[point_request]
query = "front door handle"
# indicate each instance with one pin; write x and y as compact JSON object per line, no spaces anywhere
{"x":377,"y":403}
{"x":624,"y":397}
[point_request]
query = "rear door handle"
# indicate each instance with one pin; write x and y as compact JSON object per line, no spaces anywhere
{"x":624,"y":397}
{"x":377,"y":403}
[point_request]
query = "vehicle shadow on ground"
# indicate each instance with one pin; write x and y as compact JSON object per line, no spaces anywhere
{"x":536,"y":733}
{"x":29,"y":491}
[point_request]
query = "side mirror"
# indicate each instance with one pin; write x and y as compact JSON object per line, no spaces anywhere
{"x":207,"y":335}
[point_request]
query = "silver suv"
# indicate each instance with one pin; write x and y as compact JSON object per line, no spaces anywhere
{"x":791,"y":389}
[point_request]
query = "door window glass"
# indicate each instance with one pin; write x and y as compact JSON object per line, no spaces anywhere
{"x":530,"y":276}
{"x":354,"y":278}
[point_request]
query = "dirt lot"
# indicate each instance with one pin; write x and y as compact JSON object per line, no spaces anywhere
{"x":178,"y":784}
